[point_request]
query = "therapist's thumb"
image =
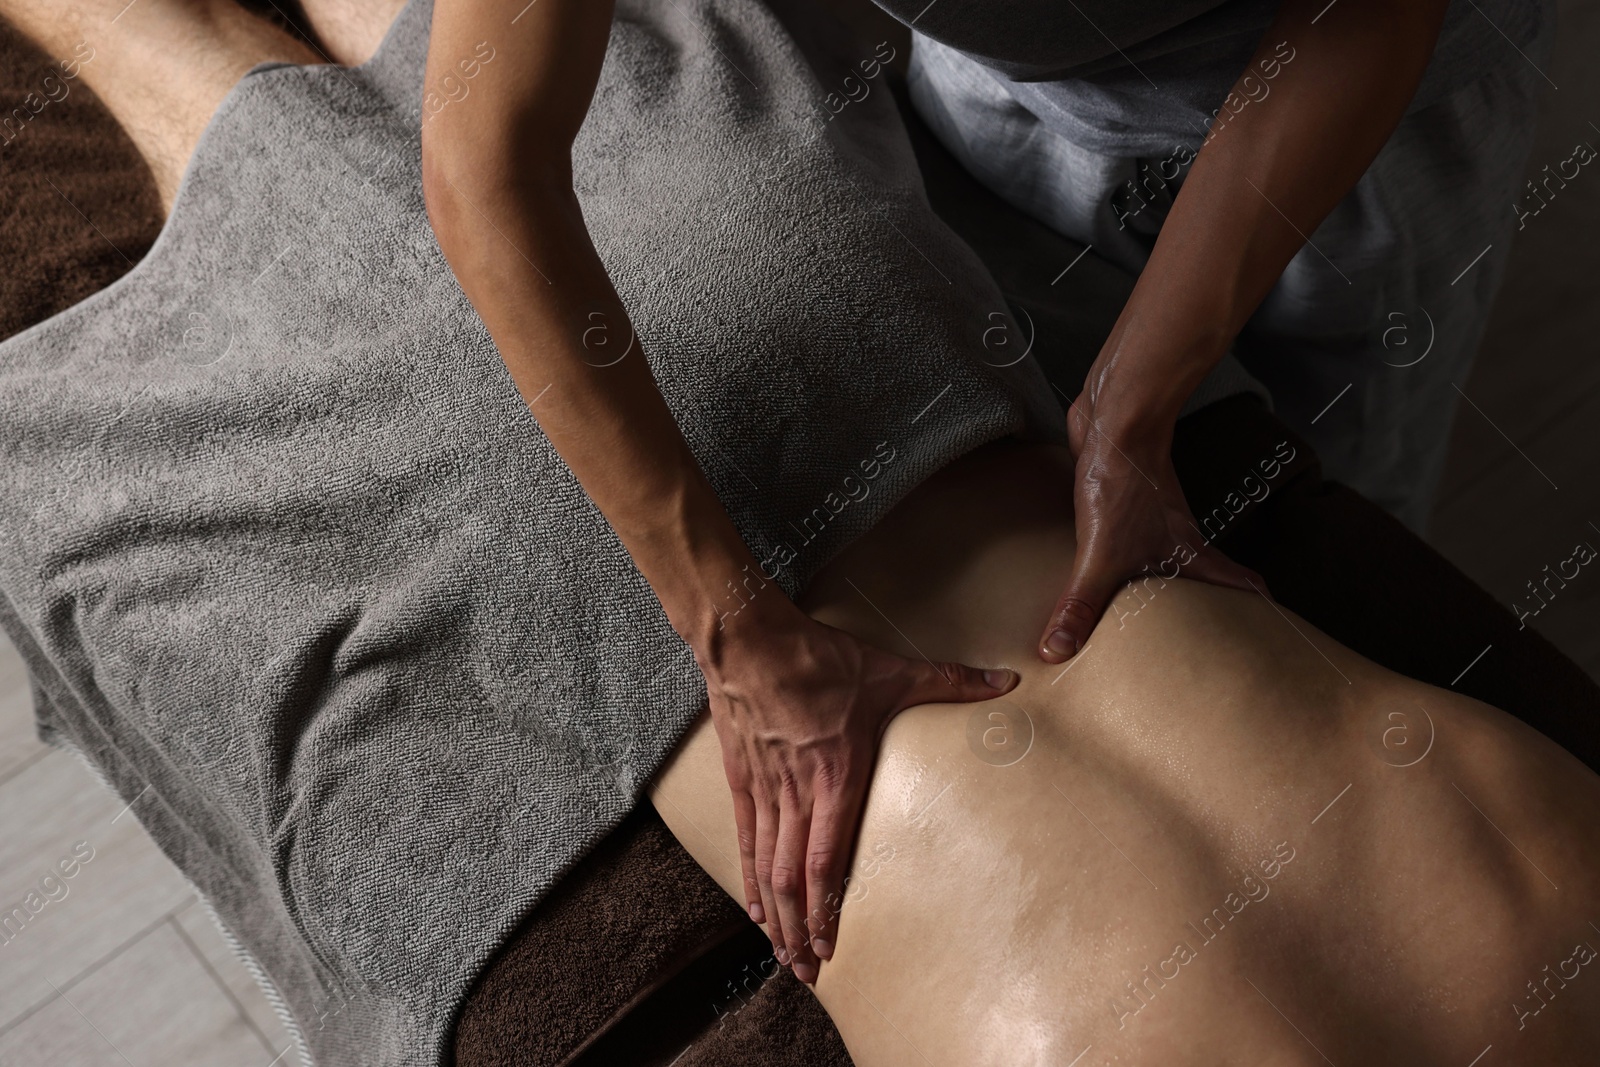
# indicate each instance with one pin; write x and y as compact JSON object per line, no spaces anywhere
{"x":956,"y":683}
{"x":1079,"y":608}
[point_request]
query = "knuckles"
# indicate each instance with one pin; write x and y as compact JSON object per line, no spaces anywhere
{"x":786,"y":881}
{"x":1075,"y":609}
{"x":829,"y":775}
{"x":820,"y":863}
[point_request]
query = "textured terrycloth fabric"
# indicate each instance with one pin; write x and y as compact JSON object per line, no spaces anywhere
{"x":291,"y":562}
{"x":636,"y":914}
{"x":1381,"y":311}
{"x":638,"y":958}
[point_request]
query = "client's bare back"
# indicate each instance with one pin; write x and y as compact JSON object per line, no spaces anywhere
{"x":1215,"y":836}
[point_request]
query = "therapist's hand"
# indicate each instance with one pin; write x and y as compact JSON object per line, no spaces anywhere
{"x":1321,"y":95}
{"x":1131,"y":519}
{"x":799,"y":708}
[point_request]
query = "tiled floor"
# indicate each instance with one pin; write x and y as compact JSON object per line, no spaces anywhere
{"x":127,"y":969}
{"x":118,"y":964}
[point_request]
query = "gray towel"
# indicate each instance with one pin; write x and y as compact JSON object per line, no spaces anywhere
{"x":293,"y":565}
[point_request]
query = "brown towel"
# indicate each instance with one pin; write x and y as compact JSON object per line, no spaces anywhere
{"x":636,"y":956}
{"x":1354,"y":571}
{"x":762,"y":1016}
{"x":80,"y":207}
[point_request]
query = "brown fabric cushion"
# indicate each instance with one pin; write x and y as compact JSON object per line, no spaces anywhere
{"x":632,"y":917}
{"x":1355,"y":572}
{"x":79,"y":207}
{"x":738,"y":1007}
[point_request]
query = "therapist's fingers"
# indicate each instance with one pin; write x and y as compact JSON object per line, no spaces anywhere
{"x":953,"y":683}
{"x":789,"y":882}
{"x":1122,"y":516}
{"x":1095,"y":579}
{"x":744,"y":817}
{"x":766,"y":845}
{"x":834,"y":817}
{"x":1210,"y":565}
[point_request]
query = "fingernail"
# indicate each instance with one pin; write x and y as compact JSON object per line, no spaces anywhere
{"x":823,"y":947}
{"x":782,"y":955}
{"x":806,"y":972}
{"x":998,"y":679}
{"x":1062,"y":643}
{"x":757,"y":915}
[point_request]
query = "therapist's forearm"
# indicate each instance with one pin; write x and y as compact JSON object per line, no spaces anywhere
{"x":1265,"y":179}
{"x":609,"y":423}
{"x":497,"y":180}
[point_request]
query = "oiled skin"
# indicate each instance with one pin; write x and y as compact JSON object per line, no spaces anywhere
{"x":1200,"y":746}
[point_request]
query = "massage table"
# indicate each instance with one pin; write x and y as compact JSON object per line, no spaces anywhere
{"x":637,"y":957}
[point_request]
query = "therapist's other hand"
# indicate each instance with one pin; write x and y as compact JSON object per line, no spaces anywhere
{"x":799,"y":708}
{"x":1131,"y":519}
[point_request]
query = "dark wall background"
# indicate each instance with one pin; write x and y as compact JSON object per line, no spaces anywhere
{"x":1537,"y":380}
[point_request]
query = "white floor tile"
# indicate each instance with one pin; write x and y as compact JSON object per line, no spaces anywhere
{"x":153,"y":1005}
{"x":46,"y":810}
{"x":226,"y":967}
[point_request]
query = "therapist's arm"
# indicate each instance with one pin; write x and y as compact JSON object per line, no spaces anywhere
{"x":1270,"y":174}
{"x":798,"y":706}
